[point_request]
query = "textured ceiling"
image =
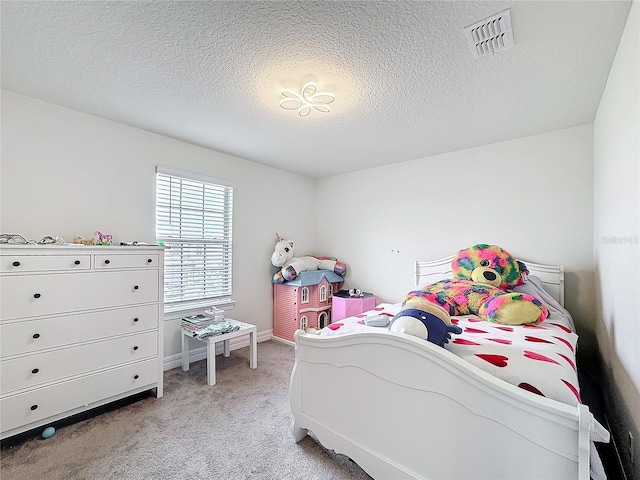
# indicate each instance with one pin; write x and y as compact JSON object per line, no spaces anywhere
{"x":406,"y":83}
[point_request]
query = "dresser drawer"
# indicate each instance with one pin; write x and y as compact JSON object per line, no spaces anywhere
{"x":44,"y":263}
{"x":138,"y":260}
{"x":33,"y":370}
{"x":29,"y":336}
{"x":36,"y":295}
{"x":79,"y":393}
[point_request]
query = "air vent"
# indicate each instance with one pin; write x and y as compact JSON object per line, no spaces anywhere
{"x":490,"y":35}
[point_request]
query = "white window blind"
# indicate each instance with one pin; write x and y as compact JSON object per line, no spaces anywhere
{"x":194,"y":219}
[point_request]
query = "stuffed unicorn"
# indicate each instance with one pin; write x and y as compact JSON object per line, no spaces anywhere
{"x":283,"y":256}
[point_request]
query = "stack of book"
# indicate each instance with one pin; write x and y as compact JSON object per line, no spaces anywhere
{"x":197,"y":322}
{"x":218,"y":328}
{"x":207,"y":324}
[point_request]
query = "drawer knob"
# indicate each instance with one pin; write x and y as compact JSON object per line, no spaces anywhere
{"x":149,"y":260}
{"x":135,"y":320}
{"x":136,"y":347}
{"x":16,"y":264}
{"x":33,"y":407}
{"x":136,"y":377}
{"x":35,"y":370}
{"x":135,"y":287}
{"x":36,"y":295}
{"x":77,"y":262}
{"x":36,"y":335}
{"x":107,"y":261}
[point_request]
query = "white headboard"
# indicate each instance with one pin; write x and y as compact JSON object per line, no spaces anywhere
{"x":551,"y":276}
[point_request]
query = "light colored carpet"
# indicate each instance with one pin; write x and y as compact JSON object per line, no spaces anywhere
{"x":237,"y":429}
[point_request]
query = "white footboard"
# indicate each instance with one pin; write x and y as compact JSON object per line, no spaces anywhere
{"x":402,"y":407}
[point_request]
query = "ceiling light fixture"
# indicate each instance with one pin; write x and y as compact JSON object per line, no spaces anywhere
{"x":308,"y":98}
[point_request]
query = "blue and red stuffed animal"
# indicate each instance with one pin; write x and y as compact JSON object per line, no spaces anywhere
{"x":429,"y":324}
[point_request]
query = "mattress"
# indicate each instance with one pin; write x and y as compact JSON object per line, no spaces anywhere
{"x":537,"y":358}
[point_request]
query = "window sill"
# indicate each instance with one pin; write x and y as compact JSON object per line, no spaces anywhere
{"x":172,"y":314}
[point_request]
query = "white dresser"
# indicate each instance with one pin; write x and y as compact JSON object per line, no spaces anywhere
{"x":79,"y":327}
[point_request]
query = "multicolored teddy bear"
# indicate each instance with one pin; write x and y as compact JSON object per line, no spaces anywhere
{"x":484,"y":276}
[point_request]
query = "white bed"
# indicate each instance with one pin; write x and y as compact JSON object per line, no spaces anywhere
{"x":402,"y":407}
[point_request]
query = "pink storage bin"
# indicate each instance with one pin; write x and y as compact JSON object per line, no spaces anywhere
{"x":343,"y":307}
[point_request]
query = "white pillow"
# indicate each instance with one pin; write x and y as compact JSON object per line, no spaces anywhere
{"x":534,"y":287}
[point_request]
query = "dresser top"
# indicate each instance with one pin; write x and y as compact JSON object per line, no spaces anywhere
{"x":68,"y":248}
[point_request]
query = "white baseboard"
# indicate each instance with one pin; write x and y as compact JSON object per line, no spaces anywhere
{"x":195,"y":354}
{"x":282,"y":340}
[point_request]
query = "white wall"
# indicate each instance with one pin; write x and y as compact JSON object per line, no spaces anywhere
{"x":67,"y":173}
{"x":616,"y":238}
{"x":532,"y":196}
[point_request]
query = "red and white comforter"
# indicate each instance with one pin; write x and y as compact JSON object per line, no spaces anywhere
{"x":538,"y":358}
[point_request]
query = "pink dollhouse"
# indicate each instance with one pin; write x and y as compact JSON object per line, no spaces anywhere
{"x":304,"y":302}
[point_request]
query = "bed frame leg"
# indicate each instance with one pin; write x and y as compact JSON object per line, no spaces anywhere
{"x":298,"y":433}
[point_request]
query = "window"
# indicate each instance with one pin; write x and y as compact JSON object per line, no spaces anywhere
{"x":304,"y":295}
{"x":323,"y":293}
{"x":194,"y":219}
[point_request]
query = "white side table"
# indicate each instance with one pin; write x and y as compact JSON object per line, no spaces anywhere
{"x":245,"y":329}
